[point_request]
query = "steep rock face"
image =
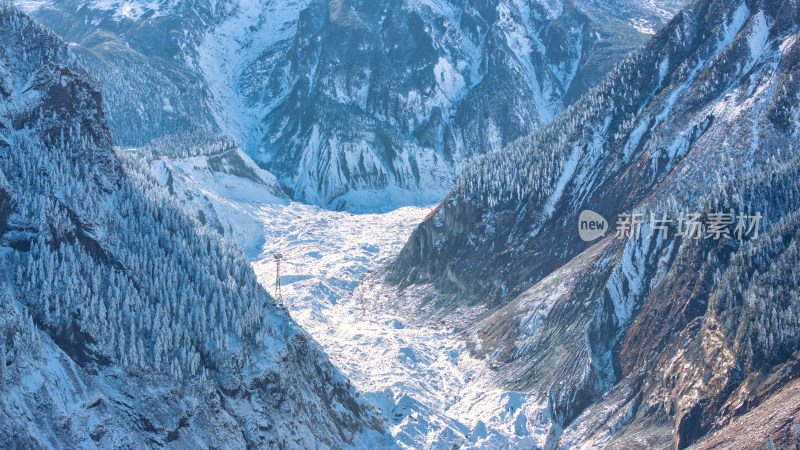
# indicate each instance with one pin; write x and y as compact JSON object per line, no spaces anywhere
{"x":351,"y":104}
{"x":646,"y":341}
{"x":396,"y":94}
{"x":123,"y":322}
{"x":369,"y":97}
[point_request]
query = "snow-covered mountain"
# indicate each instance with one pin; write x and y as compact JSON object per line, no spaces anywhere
{"x":370,"y":95}
{"x":351,"y":104}
{"x":123,"y":322}
{"x":649,"y":341}
{"x":127,"y":323}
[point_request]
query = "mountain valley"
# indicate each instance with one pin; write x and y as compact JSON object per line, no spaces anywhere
{"x":423,"y":169}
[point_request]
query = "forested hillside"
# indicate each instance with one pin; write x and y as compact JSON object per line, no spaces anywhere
{"x":660,"y":339}
{"x":124,"y":322}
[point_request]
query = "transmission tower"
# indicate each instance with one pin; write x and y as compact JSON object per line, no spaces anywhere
{"x":278,"y":293}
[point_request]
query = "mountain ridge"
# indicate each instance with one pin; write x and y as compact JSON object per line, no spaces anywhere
{"x":111,"y":333}
{"x":311,"y":90}
{"x":576,"y":323}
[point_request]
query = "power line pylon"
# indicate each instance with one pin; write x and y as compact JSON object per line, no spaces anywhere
{"x":278,"y":293}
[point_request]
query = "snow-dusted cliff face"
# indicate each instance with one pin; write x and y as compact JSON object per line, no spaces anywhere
{"x":123,"y":323}
{"x":370,"y":95}
{"x":351,"y":104}
{"x":639,"y":342}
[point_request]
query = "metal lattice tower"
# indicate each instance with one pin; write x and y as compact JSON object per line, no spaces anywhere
{"x":278,"y":293}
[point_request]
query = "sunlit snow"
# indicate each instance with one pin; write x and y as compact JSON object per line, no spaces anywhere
{"x":432,"y":393}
